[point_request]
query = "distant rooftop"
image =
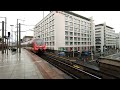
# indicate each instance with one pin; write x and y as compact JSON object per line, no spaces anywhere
{"x":103,"y":25}
{"x":77,"y":15}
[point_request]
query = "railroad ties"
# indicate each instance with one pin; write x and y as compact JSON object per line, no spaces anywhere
{"x":77,"y":70}
{"x":72,"y":69}
{"x":81,"y":71}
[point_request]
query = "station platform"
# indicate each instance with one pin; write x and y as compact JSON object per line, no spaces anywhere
{"x":27,"y":66}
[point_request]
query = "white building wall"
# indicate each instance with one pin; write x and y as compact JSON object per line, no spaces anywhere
{"x":59,"y":30}
{"x":92,"y":34}
{"x":119,"y":40}
{"x":107,"y":36}
{"x":99,"y":34}
{"x":85,"y":27}
{"x":102,"y":38}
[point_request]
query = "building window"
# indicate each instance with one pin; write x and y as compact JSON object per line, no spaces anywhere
{"x":66,"y":27}
{"x":90,"y":32}
{"x":50,"y":44}
{"x":53,"y":43}
{"x":71,"y":24}
{"x":66,"y":22}
{"x":71,"y":28}
{"x":97,"y":28}
{"x":66,"y":17}
{"x":71,"y":19}
{"x":75,"y":29}
{"x":74,"y":25}
{"x":52,"y":32}
{"x":52,"y":37}
{"x":71,"y":43}
{"x":78,"y":30}
{"x":71,"y":38}
{"x":52,"y":16}
{"x":75,"y":20}
{"x":75,"y":43}
{"x":66,"y":32}
{"x":71,"y":33}
{"x":66,"y":38}
{"x":75,"y":34}
{"x":82,"y":22}
{"x":52,"y":21}
{"x":66,"y":43}
{"x":75,"y":38}
{"x":52,"y":27}
{"x":78,"y":39}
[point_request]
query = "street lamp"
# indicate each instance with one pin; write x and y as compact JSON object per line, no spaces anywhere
{"x":5,"y":30}
{"x":17,"y":32}
{"x":12,"y":33}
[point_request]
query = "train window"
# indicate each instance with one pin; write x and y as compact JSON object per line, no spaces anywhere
{"x":39,"y":42}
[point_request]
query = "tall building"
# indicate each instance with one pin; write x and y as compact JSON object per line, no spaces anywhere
{"x":104,"y":37}
{"x":118,"y":40}
{"x":65,"y":30}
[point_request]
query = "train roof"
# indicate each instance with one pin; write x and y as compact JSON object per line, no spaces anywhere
{"x":30,"y":41}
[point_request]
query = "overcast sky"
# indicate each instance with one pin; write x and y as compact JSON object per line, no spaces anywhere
{"x":112,"y":18}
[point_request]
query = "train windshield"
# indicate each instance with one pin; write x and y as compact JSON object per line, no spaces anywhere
{"x":39,"y":42}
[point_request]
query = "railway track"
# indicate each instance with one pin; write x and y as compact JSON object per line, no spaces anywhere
{"x":75,"y":70}
{"x":78,"y":69}
{"x":68,"y":67}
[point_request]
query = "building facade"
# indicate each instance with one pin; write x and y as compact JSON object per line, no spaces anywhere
{"x":105,"y":37}
{"x":65,"y":30}
{"x":118,"y":40}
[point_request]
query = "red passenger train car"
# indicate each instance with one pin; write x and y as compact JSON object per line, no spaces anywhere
{"x":35,"y":45}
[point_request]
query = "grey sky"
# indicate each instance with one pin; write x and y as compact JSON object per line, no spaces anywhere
{"x":111,"y":18}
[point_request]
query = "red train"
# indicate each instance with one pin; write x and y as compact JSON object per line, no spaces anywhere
{"x":35,"y":45}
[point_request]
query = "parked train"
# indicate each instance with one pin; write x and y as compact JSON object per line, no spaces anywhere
{"x":35,"y":45}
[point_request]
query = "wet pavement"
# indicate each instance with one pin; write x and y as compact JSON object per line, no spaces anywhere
{"x":27,"y":66}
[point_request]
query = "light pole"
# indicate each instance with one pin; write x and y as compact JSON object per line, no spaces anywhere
{"x":12,"y":34}
{"x":2,"y":37}
{"x":7,"y":43}
{"x":19,"y":38}
{"x":43,"y":14}
{"x":5,"y":30}
{"x":17,"y":32}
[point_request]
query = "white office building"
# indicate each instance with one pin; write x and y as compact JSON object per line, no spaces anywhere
{"x":67,"y":31}
{"x":118,"y":40}
{"x":105,"y":37}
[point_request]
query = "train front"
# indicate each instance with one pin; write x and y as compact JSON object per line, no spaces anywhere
{"x":39,"y":46}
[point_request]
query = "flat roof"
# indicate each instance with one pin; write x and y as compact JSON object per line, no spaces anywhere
{"x":77,"y":15}
{"x":69,"y":12}
{"x":102,"y":25}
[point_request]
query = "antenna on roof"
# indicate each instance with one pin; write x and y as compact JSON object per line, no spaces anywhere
{"x":43,"y":14}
